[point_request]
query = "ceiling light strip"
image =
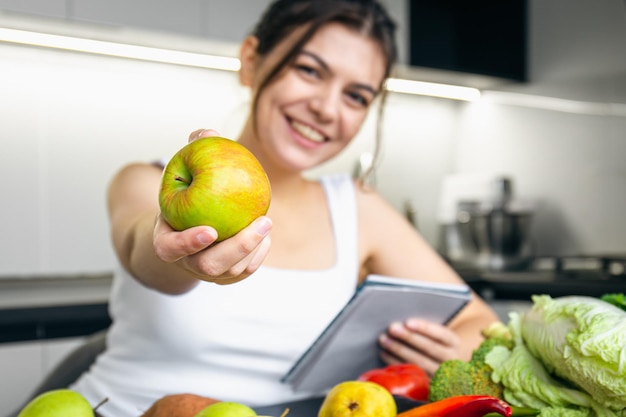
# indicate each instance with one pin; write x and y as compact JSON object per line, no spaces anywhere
{"x":454,"y":92}
{"x":144,"y":53}
{"x":555,"y":104}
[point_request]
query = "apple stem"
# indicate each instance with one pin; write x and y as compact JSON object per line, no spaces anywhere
{"x":101,"y":403}
{"x":181,"y":179}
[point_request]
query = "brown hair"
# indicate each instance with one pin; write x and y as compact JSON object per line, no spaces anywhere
{"x":365,"y":16}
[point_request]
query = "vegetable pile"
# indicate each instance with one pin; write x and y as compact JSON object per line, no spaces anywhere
{"x":564,"y":357}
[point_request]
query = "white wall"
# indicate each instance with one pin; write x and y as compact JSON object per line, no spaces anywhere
{"x":70,"y":120}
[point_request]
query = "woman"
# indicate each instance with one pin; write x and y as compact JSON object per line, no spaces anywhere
{"x":315,"y":67}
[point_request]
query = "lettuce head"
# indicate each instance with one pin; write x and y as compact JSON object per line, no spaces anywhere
{"x":528,"y":383}
{"x":581,"y":340}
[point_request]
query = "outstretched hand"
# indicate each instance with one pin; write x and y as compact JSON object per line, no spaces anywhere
{"x":226,"y":262}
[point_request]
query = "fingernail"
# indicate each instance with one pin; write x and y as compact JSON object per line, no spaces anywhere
{"x":262,"y":225}
{"x":396,"y":328}
{"x":205,"y":237}
{"x":414,"y":324}
{"x":383,"y":339}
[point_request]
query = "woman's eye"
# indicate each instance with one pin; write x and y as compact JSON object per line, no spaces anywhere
{"x":308,"y":70}
{"x":358,"y":98}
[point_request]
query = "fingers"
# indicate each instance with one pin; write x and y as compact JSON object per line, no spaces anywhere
{"x":202,"y":133}
{"x":239,"y":255}
{"x":245,"y":267}
{"x":171,"y":246}
{"x":227,"y":262}
{"x":427,"y":364}
{"x":417,"y":341}
{"x":437,"y":340}
{"x":396,"y":351}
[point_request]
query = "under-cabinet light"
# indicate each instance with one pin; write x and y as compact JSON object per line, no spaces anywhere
{"x":122,"y":50}
{"x":454,"y":92}
{"x":555,"y":104}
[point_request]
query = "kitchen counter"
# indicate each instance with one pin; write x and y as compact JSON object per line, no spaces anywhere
{"x":520,"y":286}
{"x":33,"y":308}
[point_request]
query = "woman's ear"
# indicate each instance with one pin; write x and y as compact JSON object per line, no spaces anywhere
{"x":248,"y":59}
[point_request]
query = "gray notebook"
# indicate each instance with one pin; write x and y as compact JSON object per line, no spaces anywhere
{"x":348,"y":346}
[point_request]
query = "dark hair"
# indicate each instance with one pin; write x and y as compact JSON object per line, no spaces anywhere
{"x":365,"y":16}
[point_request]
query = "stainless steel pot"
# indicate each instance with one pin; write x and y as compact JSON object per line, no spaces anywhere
{"x":489,"y":236}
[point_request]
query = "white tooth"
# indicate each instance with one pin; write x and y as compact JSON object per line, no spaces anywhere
{"x":309,"y":133}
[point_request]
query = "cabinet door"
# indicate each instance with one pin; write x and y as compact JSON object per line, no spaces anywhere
{"x":51,"y":8}
{"x":24,"y":365}
{"x":21,"y":365}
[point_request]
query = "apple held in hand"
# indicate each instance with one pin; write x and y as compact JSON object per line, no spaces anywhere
{"x":216,"y":182}
{"x":58,"y":403}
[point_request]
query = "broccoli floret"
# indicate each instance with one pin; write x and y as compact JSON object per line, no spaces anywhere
{"x":457,"y":377}
{"x":482,"y":382}
{"x":485,"y":347}
{"x":497,"y":329}
{"x":453,"y":377}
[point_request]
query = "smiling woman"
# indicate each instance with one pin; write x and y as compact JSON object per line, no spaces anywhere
{"x":315,"y":69}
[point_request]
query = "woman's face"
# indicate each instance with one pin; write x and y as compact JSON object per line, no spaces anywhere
{"x":315,"y":107}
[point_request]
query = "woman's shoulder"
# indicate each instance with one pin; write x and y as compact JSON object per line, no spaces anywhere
{"x":135,"y":173}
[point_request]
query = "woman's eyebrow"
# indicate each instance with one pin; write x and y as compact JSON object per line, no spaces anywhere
{"x":326,"y":68}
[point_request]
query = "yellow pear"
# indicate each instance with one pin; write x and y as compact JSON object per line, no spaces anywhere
{"x":358,"y":399}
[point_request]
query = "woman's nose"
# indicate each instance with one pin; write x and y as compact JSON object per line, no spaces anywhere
{"x":326,"y":104}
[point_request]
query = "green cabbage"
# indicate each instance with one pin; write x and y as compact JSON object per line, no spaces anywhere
{"x":581,"y":340}
{"x":568,"y":358}
{"x":527,"y":382}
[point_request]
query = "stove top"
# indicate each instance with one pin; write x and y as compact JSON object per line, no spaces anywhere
{"x":591,"y":275}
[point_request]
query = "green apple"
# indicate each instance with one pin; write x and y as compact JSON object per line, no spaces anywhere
{"x":226,"y":409}
{"x":58,"y":403}
{"x":216,"y":182}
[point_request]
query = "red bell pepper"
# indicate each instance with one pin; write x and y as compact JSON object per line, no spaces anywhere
{"x":405,"y":380}
{"x":461,"y":406}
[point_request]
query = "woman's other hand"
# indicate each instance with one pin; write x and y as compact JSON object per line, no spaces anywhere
{"x":421,"y":342}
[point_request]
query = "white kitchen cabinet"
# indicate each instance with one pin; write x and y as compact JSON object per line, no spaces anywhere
{"x":227,"y":20}
{"x":222,"y":20}
{"x":180,"y":16}
{"x":25,"y":364}
{"x":49,"y":8}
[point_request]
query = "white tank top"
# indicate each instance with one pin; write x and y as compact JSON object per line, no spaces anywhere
{"x":231,"y":342}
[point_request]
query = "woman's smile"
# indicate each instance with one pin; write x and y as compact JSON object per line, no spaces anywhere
{"x":307,"y":132}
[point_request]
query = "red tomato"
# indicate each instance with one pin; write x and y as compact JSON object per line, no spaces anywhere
{"x":405,"y":380}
